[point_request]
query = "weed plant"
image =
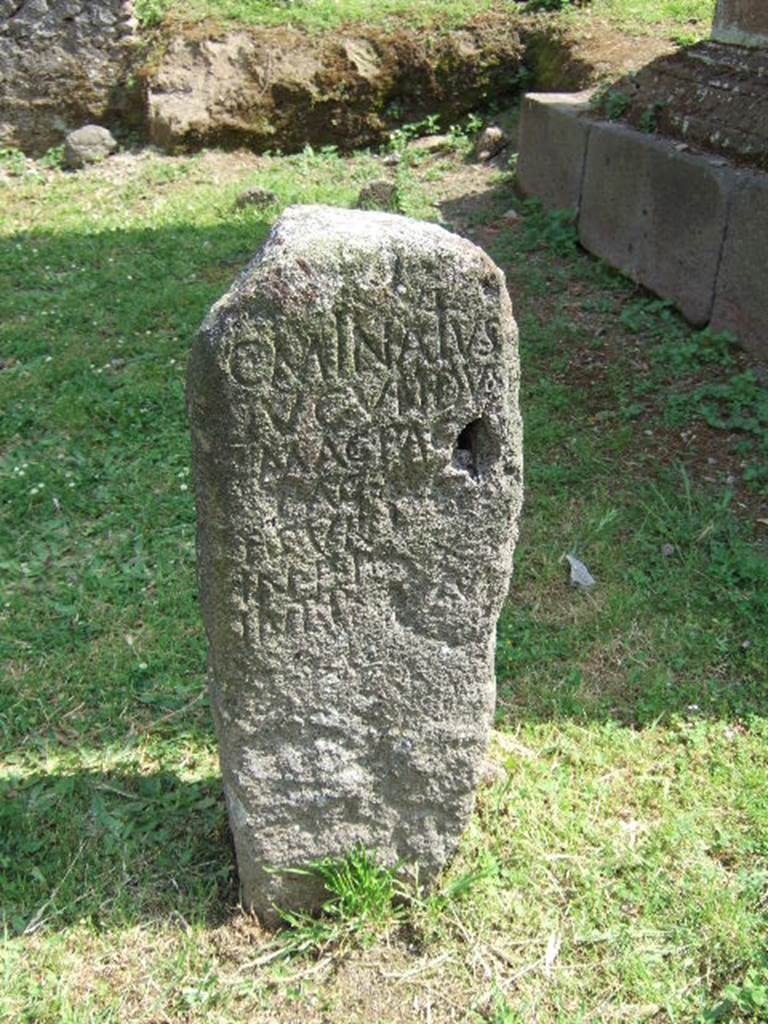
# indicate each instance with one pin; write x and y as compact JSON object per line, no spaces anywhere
{"x":362,"y":900}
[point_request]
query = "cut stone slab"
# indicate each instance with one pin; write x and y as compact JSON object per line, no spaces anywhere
{"x":552,"y":148}
{"x":741,"y":299}
{"x":357,"y":464}
{"x":657,"y":214}
{"x":741,"y":22}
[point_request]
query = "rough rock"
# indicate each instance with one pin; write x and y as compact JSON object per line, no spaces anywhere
{"x":280,"y":86}
{"x":378,"y":195}
{"x":490,"y":141}
{"x":357,"y":465}
{"x":258,"y":197}
{"x":64,"y":63}
{"x":88,"y":145}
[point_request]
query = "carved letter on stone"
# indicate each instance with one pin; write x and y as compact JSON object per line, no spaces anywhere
{"x":357,"y":461}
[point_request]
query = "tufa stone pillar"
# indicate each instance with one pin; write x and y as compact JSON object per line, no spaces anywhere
{"x":357,"y":463}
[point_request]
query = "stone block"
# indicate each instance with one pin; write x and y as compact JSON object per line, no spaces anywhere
{"x":741,"y":22}
{"x":357,"y":465}
{"x":741,"y":298}
{"x":552,"y":148}
{"x":656,"y":213}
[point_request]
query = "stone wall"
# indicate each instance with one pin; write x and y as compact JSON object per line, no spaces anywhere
{"x":63,"y":63}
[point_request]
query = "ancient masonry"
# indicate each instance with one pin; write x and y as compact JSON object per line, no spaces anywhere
{"x":63,"y":63}
{"x":676,"y":195}
{"x":357,"y":461}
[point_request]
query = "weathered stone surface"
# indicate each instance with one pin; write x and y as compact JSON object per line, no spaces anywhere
{"x":88,"y":145}
{"x":743,"y":22}
{"x":710,"y":96}
{"x":656,"y":213}
{"x":357,"y":461}
{"x":490,"y":141}
{"x":64,"y":63}
{"x":741,"y":299}
{"x":552,"y":148}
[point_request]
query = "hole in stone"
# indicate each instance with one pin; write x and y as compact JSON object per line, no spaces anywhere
{"x":475,"y":450}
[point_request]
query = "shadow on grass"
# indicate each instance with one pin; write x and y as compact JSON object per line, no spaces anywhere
{"x":100,"y":631}
{"x":113,"y":849}
{"x":479,"y":209}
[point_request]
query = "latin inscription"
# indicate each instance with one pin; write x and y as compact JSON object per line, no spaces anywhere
{"x":349,"y":397}
{"x":346,"y":344}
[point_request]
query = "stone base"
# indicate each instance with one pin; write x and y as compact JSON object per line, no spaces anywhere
{"x":710,"y":96}
{"x":693,"y":228}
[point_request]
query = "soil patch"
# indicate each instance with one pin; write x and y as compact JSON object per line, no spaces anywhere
{"x":573,"y":55}
{"x":281,"y":88}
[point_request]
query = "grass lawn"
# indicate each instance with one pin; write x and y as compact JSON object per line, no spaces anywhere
{"x":329,"y":14}
{"x":616,"y":869}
